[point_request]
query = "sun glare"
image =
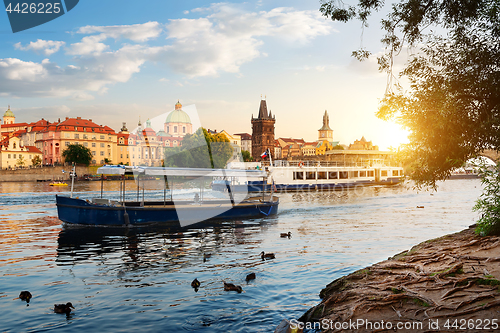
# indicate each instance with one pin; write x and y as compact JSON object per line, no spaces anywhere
{"x":394,"y":136}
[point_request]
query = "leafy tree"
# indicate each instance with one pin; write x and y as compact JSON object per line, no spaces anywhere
{"x":20,"y":161}
{"x":78,"y":154}
{"x":200,"y":150}
{"x":247,"y":157}
{"x":488,"y":202}
{"x":452,"y":109}
{"x":36,"y":161}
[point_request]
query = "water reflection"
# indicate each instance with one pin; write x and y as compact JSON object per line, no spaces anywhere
{"x":145,"y":247}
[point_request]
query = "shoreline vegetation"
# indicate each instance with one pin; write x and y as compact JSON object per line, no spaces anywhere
{"x":451,"y":283}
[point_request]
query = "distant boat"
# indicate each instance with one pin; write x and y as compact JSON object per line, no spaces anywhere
{"x":312,"y":176}
{"x":175,"y":213}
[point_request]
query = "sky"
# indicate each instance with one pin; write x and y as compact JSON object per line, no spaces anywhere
{"x":116,"y":61}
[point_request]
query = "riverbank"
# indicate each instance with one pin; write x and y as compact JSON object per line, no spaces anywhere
{"x":446,"y":284}
{"x":43,"y":173}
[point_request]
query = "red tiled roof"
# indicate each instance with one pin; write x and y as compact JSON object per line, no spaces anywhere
{"x":33,"y":149}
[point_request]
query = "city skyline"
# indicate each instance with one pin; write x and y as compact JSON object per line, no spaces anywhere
{"x":221,"y":57}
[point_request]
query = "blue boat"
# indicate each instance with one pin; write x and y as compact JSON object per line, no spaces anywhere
{"x":172,"y":212}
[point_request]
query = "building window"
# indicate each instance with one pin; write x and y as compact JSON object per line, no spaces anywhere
{"x":101,"y":153}
{"x":67,"y":143}
{"x":121,"y":155}
{"x":14,"y":156}
{"x":77,"y":136}
{"x":66,"y":135}
{"x":298,"y":175}
{"x":93,"y":137}
{"x":8,"y":155}
{"x":183,"y":129}
{"x":14,"y":144}
{"x":102,"y":137}
{"x":85,"y":136}
{"x":93,"y":161}
{"x":30,"y":157}
{"x":93,"y":152}
{"x":384,"y":172}
{"x":102,"y":145}
{"x":93,"y":144}
{"x":175,"y":129}
{"x":168,"y":129}
{"x":85,"y":144}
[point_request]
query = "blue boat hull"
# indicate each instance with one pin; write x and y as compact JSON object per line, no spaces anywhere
{"x":78,"y":211}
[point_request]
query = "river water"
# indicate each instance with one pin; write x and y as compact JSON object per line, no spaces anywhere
{"x":139,"y":280}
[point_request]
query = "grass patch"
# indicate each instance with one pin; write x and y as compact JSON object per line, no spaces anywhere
{"x":397,"y":291}
{"x":420,"y":302}
{"x":488,"y":282}
{"x":459,"y":271}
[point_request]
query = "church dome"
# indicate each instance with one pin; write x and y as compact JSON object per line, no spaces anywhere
{"x":162,"y":133}
{"x":178,"y":116}
{"x":8,"y":113}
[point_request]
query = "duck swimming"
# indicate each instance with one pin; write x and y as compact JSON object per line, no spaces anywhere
{"x":63,"y":308}
{"x":25,"y":296}
{"x":265,"y":256}
{"x":195,"y":284}
{"x":284,"y":234}
{"x":232,"y":287}
{"x":250,"y":276}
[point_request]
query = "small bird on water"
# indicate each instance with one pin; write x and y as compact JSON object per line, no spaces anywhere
{"x":195,"y":284}
{"x":265,"y":256}
{"x":250,"y":276}
{"x":63,"y":308}
{"x":25,"y":296}
{"x":285,"y":235}
{"x":232,"y":287}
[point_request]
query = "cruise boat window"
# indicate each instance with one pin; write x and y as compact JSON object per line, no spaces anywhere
{"x":395,"y":172}
{"x":384,"y":173}
{"x":370,"y":173}
{"x":332,"y":175}
{"x":343,"y":174}
{"x":322,"y":175}
{"x":298,"y":175}
{"x":362,"y":173}
{"x":310,"y":175}
{"x":353,"y":174}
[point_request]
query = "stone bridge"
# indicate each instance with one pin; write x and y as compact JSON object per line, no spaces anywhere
{"x":491,"y":154}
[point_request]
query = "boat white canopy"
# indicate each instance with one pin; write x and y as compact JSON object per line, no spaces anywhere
{"x":186,"y":172}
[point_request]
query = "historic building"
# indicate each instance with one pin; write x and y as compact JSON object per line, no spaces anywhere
{"x":9,"y":125}
{"x":57,"y":136}
{"x":146,"y":146}
{"x":262,"y":132}
{"x":325,"y":132}
{"x":178,"y":123}
{"x":246,"y":142}
{"x":325,"y":137}
{"x":13,"y":154}
{"x":362,"y":145}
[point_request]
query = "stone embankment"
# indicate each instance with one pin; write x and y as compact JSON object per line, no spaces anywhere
{"x":43,"y":173}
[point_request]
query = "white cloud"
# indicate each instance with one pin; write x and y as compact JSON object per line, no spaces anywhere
{"x":134,"y":32}
{"x":90,"y":45}
{"x":48,"y":47}
{"x":229,"y":37}
{"x":222,"y":41}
